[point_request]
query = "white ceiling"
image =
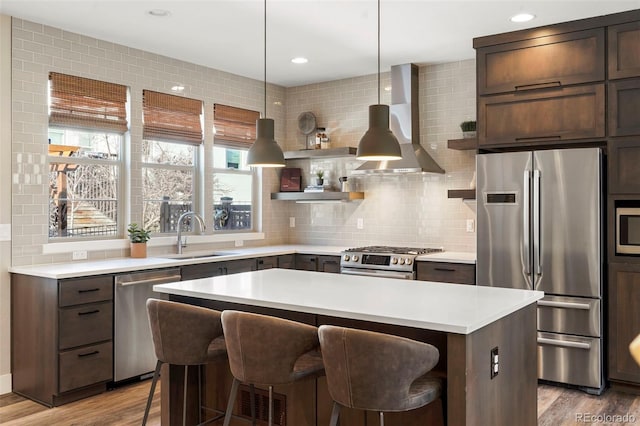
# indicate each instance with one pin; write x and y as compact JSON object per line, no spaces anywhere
{"x":337,"y":36}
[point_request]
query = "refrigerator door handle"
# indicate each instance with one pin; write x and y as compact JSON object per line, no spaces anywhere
{"x":525,"y":221}
{"x":537,"y":258}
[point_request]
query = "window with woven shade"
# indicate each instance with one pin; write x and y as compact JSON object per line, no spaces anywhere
{"x":171,"y":118}
{"x":234,"y":181}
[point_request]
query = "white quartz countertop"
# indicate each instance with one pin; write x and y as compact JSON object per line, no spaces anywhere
{"x":453,"y":308}
{"x":128,"y":264}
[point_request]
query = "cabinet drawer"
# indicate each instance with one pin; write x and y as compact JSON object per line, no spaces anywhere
{"x":624,"y":104}
{"x":624,"y":42}
{"x":86,"y":324}
{"x":542,"y":117}
{"x":571,"y":315}
{"x":551,"y":61}
{"x":85,"y":366}
{"x":584,"y":354}
{"x":459,"y":273}
{"x":85,"y":290}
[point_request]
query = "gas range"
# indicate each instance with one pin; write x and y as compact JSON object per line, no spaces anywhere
{"x":396,"y":262}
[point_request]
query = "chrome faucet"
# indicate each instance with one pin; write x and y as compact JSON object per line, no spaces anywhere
{"x":198,"y":219}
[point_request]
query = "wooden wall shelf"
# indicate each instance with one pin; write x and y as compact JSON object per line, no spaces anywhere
{"x":463,"y":144}
{"x":466,"y":194}
{"x":326,"y":196}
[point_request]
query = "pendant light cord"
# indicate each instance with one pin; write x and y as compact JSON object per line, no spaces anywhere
{"x":265,"y":59}
{"x":378,"y":52}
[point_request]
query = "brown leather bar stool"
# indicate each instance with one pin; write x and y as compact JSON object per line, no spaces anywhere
{"x":184,"y":335}
{"x":377,"y":372}
{"x":268,"y":351}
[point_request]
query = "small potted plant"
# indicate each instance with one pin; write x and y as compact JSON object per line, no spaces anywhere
{"x":319,"y":177}
{"x":468,"y":129}
{"x":138,"y":237}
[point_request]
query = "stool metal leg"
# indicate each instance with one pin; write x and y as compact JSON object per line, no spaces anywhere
{"x":270,"y":405}
{"x":231,"y":402}
{"x":184,"y":397}
{"x":151,"y":392}
{"x":252,"y":403}
{"x":335,"y":414}
{"x":381,"y":418}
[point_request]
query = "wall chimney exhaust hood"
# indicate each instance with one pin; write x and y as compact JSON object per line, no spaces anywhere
{"x":405,"y":125}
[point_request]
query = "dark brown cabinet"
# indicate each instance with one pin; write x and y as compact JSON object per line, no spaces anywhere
{"x":624,"y":104}
{"x":542,"y":116}
{"x":446,"y":272}
{"x":624,"y":42}
{"x":624,"y":320}
{"x":284,"y":261}
{"x":62,"y":348}
{"x":542,"y":62}
{"x":624,"y":166}
{"x":321,"y":263}
{"x":214,"y":269}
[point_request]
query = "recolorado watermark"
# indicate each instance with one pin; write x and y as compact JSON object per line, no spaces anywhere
{"x":605,"y":418}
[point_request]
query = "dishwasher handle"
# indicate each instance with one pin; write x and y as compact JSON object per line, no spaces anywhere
{"x":170,"y":276}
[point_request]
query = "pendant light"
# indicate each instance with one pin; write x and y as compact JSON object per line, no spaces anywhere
{"x":378,"y":143}
{"x":265,"y":151}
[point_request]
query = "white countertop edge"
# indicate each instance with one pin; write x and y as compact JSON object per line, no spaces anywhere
{"x":448,"y":256}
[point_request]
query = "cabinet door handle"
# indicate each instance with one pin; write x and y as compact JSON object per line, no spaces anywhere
{"x":88,"y":354}
{"x":89,"y":290}
{"x":95,"y":311}
{"x":546,"y":85}
{"x":444,"y":269}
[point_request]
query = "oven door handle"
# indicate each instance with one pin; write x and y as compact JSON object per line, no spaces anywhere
{"x":383,"y":274}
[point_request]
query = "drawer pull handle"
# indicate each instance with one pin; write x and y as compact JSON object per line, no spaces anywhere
{"x":444,"y":269}
{"x":539,"y":85}
{"x":564,"y":343}
{"x":88,"y":290}
{"x":88,"y":354}
{"x":567,"y":305}
{"x":95,"y":311}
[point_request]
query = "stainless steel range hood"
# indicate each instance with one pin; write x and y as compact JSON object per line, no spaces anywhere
{"x":404,"y":122}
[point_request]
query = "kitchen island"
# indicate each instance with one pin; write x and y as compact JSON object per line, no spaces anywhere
{"x":466,"y":323}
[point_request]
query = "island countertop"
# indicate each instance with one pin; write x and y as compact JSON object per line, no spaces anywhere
{"x":453,"y":308}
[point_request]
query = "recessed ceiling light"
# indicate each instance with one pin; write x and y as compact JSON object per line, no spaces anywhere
{"x":299,"y":60}
{"x":522,"y":17}
{"x":159,"y":13}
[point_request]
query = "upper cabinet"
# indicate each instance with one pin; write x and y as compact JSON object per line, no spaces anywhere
{"x":624,"y":50}
{"x":542,"y":62}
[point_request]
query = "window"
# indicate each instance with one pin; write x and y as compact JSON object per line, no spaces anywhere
{"x":87,"y":120}
{"x":233,"y":184}
{"x":172,"y":136}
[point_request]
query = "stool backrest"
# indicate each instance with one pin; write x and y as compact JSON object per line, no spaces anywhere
{"x":264,"y":349}
{"x":372,"y":371}
{"x":182,"y":333}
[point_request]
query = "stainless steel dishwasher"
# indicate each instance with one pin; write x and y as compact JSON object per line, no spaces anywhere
{"x":134,"y":355}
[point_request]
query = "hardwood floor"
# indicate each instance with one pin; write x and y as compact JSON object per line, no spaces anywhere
{"x":125,"y":406}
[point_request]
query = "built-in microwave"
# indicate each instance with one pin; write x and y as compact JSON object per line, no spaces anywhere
{"x":628,"y":230}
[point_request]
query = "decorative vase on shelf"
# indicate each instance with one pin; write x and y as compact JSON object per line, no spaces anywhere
{"x":468,"y":129}
{"x":139,"y":250}
{"x":469,"y":135}
{"x":319,"y":181}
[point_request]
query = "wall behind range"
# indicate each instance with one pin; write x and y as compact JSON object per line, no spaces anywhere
{"x":410,"y":209}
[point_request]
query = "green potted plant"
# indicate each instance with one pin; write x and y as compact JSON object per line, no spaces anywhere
{"x":138,"y":237}
{"x":468,"y":129}
{"x":319,"y":177}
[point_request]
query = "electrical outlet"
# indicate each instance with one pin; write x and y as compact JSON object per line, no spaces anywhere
{"x":239,"y":243}
{"x":292,"y":222}
{"x":470,"y":225}
{"x":360,"y":223}
{"x":495,"y":366}
{"x":79,"y":255}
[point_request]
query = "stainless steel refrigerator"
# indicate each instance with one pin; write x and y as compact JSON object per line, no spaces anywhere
{"x":540,"y":227}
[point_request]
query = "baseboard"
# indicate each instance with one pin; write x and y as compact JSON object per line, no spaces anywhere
{"x":5,"y":384}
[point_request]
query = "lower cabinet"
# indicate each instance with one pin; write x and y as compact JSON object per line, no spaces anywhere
{"x":284,"y":261}
{"x":214,"y":269}
{"x":446,"y":272}
{"x":62,"y":348}
{"x":624,"y":320}
{"x":320,"y":263}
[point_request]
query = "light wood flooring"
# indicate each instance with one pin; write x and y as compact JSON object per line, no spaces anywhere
{"x":125,"y":406}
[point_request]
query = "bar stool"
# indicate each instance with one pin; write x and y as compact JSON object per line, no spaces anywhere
{"x":184,"y":335}
{"x":377,"y":372}
{"x":269,"y":351}
{"x":634,"y":348}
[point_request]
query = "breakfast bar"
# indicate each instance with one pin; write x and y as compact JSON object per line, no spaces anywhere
{"x":468,"y":324}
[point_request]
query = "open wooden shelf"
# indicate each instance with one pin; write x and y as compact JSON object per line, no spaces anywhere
{"x":465,"y":194}
{"x":345,"y":151}
{"x":317,"y":196}
{"x":463,"y":144}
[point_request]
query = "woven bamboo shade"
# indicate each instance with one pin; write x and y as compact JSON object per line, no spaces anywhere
{"x":171,"y":118}
{"x":87,"y":104}
{"x":235,"y":127}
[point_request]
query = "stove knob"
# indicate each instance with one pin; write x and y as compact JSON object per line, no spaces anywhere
{"x":409,"y":261}
{"x":394,"y":260}
{"x":355,"y":258}
{"x":346,"y":258}
{"x":402,"y":261}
